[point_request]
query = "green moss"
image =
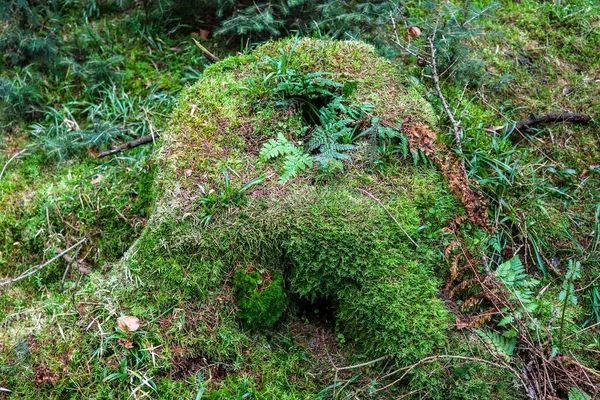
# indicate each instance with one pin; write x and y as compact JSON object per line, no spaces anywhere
{"x":261,"y":299}
{"x":318,"y":240}
{"x":330,"y":240}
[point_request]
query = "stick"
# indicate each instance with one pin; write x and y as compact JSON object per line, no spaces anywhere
{"x":130,"y":145}
{"x":426,"y":360}
{"x":552,"y":118}
{"x":69,"y":262}
{"x":390,"y":214}
{"x":211,"y":57}
{"x":436,"y":80}
{"x":38,"y":268}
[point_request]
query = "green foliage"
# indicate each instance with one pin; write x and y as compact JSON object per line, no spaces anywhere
{"x":261,"y":298}
{"x":578,"y":394}
{"x":295,"y":160}
{"x":567,"y":295}
{"x":399,"y":317}
{"x":213,"y":202}
{"x":328,"y":139}
{"x":502,"y":346}
{"x":512,"y":273}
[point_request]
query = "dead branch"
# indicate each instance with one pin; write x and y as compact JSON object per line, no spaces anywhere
{"x":211,"y":57}
{"x":552,"y":118}
{"x":38,"y":268}
{"x":436,"y":80}
{"x":406,"y":370}
{"x":69,"y":260}
{"x":130,"y":145}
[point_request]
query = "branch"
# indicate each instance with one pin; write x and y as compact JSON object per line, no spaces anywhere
{"x":38,"y":268}
{"x":10,"y":160}
{"x":211,"y":57}
{"x":130,"y":145}
{"x":426,"y":360}
{"x":552,"y":118}
{"x":436,"y":80}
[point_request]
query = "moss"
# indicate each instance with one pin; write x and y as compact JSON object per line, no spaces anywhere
{"x":261,"y":299}
{"x":327,"y":238}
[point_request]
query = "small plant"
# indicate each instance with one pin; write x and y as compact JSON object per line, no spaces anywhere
{"x":213,"y":202}
{"x":261,"y":297}
{"x":567,"y":295}
{"x":295,"y":159}
{"x":135,"y":347}
{"x":328,"y":139}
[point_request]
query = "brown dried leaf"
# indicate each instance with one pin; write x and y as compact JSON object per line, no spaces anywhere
{"x":414,"y":32}
{"x":128,"y":323}
{"x":128,"y":344}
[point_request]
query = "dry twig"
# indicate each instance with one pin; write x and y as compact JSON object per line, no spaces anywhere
{"x":38,"y":268}
{"x":130,"y":145}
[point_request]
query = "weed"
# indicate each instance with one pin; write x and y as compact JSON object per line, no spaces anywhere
{"x":229,"y":196}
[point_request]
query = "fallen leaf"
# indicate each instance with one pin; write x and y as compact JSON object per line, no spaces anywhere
{"x":414,"y":31}
{"x":128,"y":344}
{"x":128,"y":323}
{"x":204,"y":34}
{"x":97,"y":179}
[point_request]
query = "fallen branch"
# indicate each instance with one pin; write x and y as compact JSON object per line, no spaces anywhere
{"x":390,"y":214}
{"x":38,"y":268}
{"x":211,"y":57}
{"x":436,"y":80}
{"x":552,"y":118}
{"x":130,"y":145}
{"x":430,"y":359}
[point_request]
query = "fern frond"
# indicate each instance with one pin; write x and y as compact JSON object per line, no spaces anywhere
{"x":501,"y":345}
{"x":294,"y":163}
{"x":274,"y":148}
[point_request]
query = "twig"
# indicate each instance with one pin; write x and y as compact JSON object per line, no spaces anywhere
{"x":436,"y":80}
{"x":211,"y":57}
{"x":130,"y":145}
{"x":10,"y":160}
{"x":552,"y":118}
{"x":390,"y":214}
{"x":62,"y":281}
{"x":426,"y":360}
{"x":38,"y":268}
{"x":362,"y":364}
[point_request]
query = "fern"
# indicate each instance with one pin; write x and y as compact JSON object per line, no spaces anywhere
{"x":499,"y":344}
{"x":295,"y":160}
{"x":294,"y":163}
{"x":512,"y":274}
{"x":274,"y":148}
{"x":578,"y":394}
{"x":329,"y":137}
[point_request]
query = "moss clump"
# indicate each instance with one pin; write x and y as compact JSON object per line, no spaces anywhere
{"x":261,"y":298}
{"x":328,"y":238}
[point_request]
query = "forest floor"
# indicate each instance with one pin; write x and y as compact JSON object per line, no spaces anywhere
{"x":542,"y":187}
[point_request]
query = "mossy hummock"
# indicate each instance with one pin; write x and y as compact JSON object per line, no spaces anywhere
{"x":369,"y":242}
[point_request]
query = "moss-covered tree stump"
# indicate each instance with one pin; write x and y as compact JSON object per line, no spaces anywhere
{"x":240,"y":252}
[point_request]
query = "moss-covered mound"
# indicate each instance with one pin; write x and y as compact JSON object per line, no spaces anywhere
{"x":234,"y":253}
